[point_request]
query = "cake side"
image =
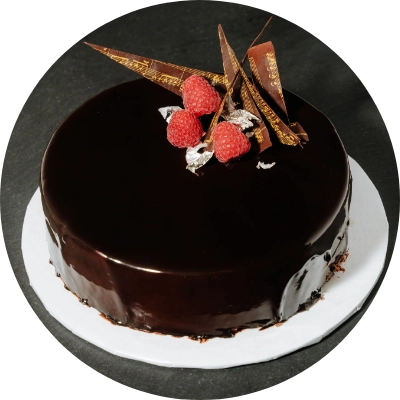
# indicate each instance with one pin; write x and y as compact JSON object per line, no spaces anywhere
{"x":144,"y":241}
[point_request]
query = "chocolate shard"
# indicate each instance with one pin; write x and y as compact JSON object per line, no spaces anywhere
{"x":167,"y":75}
{"x":283,"y":132}
{"x":265,"y":74}
{"x":299,"y":131}
{"x":261,"y":133}
{"x":285,"y":135}
{"x":227,"y":97}
{"x":231,"y":69}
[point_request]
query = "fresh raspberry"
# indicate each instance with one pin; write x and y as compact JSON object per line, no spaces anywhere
{"x":184,"y":129}
{"x":199,"y":96}
{"x":229,"y":142}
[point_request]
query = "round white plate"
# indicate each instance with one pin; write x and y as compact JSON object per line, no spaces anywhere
{"x":343,"y":295}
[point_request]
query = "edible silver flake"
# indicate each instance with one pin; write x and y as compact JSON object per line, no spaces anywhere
{"x":195,"y":159}
{"x":264,"y":166}
{"x":167,"y":112}
{"x":242,"y":118}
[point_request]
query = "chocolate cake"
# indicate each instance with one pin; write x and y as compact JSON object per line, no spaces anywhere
{"x":155,"y":247}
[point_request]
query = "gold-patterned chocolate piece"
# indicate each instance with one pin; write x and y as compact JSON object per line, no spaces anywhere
{"x":231,"y":74}
{"x":261,"y":133}
{"x":230,"y":69}
{"x":285,"y":135}
{"x":167,"y":75}
{"x":264,"y":69}
{"x":299,"y":131}
{"x":265,"y":73}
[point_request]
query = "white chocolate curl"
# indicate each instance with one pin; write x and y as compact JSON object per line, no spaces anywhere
{"x":195,"y":159}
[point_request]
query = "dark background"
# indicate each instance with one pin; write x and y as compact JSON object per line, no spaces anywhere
{"x":186,"y":34}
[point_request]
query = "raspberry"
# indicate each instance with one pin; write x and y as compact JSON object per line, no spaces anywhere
{"x":199,"y":96}
{"x":184,"y":129}
{"x":229,"y":142}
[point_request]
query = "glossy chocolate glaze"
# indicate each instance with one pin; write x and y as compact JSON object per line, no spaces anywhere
{"x":158,"y":248}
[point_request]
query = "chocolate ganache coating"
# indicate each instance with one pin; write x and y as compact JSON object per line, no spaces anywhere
{"x":153,"y":246}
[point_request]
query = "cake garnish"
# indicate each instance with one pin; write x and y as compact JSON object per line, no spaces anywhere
{"x":199,"y":97}
{"x":241,"y":93}
{"x":167,"y":112}
{"x":241,"y":118}
{"x":264,"y":165}
{"x":285,"y":135}
{"x":169,"y":76}
{"x":232,"y":96}
{"x":184,"y":129}
{"x":265,"y":74}
{"x":197,"y":156}
{"x":229,"y":142}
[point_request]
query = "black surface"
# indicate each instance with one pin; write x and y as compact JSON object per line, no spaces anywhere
{"x":306,"y":65}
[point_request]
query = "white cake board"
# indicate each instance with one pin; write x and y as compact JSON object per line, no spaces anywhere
{"x":343,"y":295}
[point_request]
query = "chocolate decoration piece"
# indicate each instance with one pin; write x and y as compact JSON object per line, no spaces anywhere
{"x":265,"y":75}
{"x":261,"y":133}
{"x":231,"y":76}
{"x":299,"y":130}
{"x":285,"y":135}
{"x":231,"y":71}
{"x":163,"y":250}
{"x":167,"y":75}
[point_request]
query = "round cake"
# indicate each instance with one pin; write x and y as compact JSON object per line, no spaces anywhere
{"x":155,"y":247}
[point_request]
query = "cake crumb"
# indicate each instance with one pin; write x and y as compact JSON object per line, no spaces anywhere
{"x":337,"y":266}
{"x":201,"y":339}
